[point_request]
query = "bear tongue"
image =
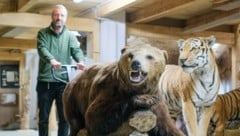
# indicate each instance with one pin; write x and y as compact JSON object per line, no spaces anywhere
{"x":135,"y":76}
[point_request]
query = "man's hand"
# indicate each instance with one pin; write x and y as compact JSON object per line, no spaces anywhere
{"x":80,"y":66}
{"x":55,"y":64}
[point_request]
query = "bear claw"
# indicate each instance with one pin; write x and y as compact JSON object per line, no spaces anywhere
{"x":145,"y":101}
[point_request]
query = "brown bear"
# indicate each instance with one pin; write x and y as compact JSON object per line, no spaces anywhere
{"x":104,"y":96}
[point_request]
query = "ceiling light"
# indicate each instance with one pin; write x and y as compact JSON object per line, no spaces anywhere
{"x":77,"y":1}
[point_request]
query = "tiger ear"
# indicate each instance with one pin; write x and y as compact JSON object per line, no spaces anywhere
{"x":211,"y":40}
{"x":180,"y":42}
{"x":165,"y":54}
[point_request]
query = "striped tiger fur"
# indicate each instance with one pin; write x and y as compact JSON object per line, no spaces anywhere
{"x":192,"y":87}
{"x":226,"y":109}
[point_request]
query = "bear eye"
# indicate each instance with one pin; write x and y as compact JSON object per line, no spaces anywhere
{"x":130,"y":55}
{"x":149,"y":57}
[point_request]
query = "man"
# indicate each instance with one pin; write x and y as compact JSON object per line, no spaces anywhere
{"x":56,"y":45}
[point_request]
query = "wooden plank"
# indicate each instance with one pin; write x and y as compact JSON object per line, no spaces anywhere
{"x":157,"y":10}
{"x":176,"y":33}
{"x":30,"y":20}
{"x":25,"y":5}
{"x":8,"y":43}
{"x":213,"y":19}
{"x":226,"y":4}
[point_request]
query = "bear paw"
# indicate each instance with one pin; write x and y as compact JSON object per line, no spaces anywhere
{"x":143,"y":121}
{"x":145,"y":100}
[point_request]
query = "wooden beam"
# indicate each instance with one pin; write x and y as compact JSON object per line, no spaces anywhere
{"x":24,"y":20}
{"x":15,"y":32}
{"x":30,"y":20}
{"x":7,"y":43}
{"x":25,"y":5}
{"x":220,"y":1}
{"x":4,"y":30}
{"x":29,"y":33}
{"x":176,"y":33}
{"x":109,"y":8}
{"x":213,"y":19}
{"x":8,"y":56}
{"x":114,"y":6}
{"x":226,"y":5}
{"x":157,"y":10}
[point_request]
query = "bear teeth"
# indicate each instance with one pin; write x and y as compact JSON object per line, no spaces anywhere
{"x":135,"y":76}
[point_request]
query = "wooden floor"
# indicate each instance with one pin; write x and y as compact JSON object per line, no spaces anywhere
{"x":29,"y":132}
{"x":235,"y":132}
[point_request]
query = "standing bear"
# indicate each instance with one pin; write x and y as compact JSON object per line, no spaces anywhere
{"x":104,"y":96}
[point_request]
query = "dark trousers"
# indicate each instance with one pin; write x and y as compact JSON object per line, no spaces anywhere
{"x":47,"y":92}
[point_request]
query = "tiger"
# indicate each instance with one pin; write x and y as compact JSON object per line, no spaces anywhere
{"x":226,"y":109}
{"x":191,"y":87}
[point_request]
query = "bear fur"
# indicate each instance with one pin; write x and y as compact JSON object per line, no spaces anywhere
{"x":103,"y":97}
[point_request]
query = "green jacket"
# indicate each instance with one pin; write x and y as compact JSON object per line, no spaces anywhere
{"x":63,"y":47}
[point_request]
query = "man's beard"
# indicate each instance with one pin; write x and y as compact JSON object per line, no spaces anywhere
{"x":58,"y":24}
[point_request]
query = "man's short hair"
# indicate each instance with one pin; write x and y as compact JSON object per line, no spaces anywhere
{"x":62,"y":7}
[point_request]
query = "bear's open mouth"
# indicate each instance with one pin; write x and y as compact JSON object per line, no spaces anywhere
{"x":137,"y":76}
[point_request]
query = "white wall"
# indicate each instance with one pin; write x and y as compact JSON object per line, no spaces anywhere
{"x":112,"y":37}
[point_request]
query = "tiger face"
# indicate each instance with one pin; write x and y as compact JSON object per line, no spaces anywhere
{"x":194,"y":52}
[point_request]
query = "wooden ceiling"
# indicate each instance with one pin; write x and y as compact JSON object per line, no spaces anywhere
{"x":21,"y":19}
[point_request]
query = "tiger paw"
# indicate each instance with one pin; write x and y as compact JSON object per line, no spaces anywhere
{"x":143,"y":121}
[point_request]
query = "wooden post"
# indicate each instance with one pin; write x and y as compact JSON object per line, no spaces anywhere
{"x":235,"y":56}
{"x":25,"y":118}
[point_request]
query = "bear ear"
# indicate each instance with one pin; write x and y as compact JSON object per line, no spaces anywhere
{"x":123,"y":50}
